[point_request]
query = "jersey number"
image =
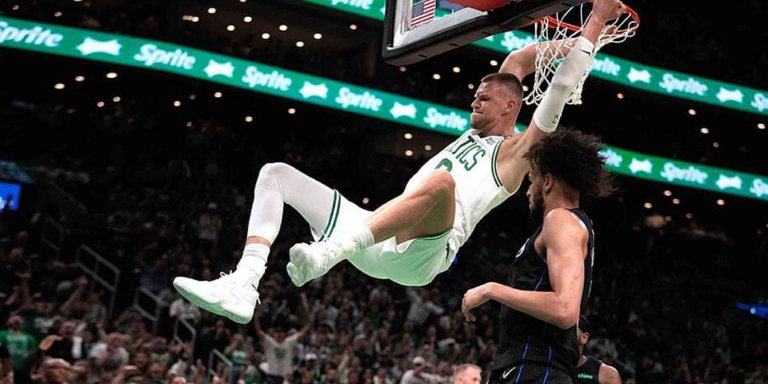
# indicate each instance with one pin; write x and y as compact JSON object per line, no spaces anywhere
{"x":445,"y":163}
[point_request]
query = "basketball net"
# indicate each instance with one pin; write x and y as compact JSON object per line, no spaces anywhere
{"x":555,"y":37}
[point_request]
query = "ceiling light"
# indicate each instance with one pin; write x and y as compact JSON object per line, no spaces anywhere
{"x":299,"y":44}
{"x":471,"y":86}
{"x":716,"y":144}
{"x":57,"y":14}
{"x":100,"y":104}
{"x":195,"y":19}
{"x":456,"y":69}
{"x":525,"y":88}
{"x":760,"y":126}
{"x":79,"y":79}
{"x":318,"y":36}
{"x":408,"y":152}
{"x":620,"y":96}
{"x":366,"y":200}
{"x":353,"y":27}
{"x":720,"y":202}
{"x":230,"y":28}
{"x":247,"y":19}
{"x":211,"y":10}
{"x":111,"y":75}
{"x":283,"y":27}
{"x":494,"y":63}
{"x":688,"y":215}
{"x":427,"y":147}
{"x":291,"y":111}
{"x":667,"y":193}
{"x":436,"y":76}
{"x":648,"y":205}
{"x":192,"y":96}
{"x":668,"y":218}
{"x":692,"y":112}
{"x":408,"y":136}
{"x":217,"y":95}
{"x":248,"y":119}
{"x":116,"y":99}
{"x":265,"y":36}
{"x":676,"y":201}
{"x":704,"y":130}
{"x":403,"y":69}
{"x":189,"y":124}
{"x":59,"y":86}
{"x":177,"y":103}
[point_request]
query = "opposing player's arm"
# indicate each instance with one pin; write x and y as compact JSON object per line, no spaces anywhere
{"x":608,"y":375}
{"x":565,"y":240}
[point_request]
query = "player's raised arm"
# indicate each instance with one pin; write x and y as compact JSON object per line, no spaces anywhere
{"x":512,"y":167}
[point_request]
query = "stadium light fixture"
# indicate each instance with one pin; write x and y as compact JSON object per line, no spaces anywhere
{"x":211,"y":10}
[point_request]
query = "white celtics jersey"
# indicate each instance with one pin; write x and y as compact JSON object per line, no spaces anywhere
{"x":471,"y":160}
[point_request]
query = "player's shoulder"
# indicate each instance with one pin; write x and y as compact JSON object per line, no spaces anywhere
{"x":608,"y":374}
{"x":563,"y":220}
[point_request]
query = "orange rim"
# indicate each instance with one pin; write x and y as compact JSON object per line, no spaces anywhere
{"x":559,"y":24}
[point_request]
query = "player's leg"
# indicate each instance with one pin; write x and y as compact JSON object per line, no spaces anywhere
{"x":425,"y":210}
{"x":278,"y":184}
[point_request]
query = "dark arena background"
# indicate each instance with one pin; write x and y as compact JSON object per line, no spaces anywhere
{"x":133,"y":133}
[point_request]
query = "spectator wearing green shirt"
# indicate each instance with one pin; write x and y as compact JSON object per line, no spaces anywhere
{"x":19,"y":343}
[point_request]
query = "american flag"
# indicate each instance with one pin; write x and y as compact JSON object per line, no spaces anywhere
{"x":423,"y":12}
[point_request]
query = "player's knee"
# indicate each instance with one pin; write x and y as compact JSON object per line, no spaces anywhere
{"x":273,"y":171}
{"x":441,"y":182}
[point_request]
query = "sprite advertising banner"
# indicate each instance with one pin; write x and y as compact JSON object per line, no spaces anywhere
{"x":202,"y":65}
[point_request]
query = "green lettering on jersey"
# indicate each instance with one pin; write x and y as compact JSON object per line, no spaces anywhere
{"x":586,"y":376}
{"x":464,"y":149}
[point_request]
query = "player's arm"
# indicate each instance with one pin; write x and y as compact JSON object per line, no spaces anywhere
{"x":510,"y":163}
{"x":608,"y":375}
{"x":565,"y":239}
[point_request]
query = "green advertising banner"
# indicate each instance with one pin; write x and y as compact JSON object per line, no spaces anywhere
{"x":606,"y":67}
{"x":194,"y":63}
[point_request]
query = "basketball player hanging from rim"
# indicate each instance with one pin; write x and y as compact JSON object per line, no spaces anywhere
{"x":415,"y":236}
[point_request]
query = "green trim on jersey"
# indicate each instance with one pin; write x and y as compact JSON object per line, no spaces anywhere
{"x":335,"y":208}
{"x":437,"y":236}
{"x":495,"y":171}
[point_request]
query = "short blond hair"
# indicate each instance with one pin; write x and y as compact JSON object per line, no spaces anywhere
{"x":463,"y":367}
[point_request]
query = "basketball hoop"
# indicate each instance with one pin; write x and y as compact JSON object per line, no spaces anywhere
{"x":556,"y":34}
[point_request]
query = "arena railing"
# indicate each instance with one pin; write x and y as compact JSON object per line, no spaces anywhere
{"x":150,"y":307}
{"x":99,"y":270}
{"x":219,"y":365}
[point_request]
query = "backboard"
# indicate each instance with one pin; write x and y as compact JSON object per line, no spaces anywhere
{"x":415,"y":30}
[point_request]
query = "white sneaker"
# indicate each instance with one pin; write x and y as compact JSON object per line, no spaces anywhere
{"x":232,"y":295}
{"x":310,"y":261}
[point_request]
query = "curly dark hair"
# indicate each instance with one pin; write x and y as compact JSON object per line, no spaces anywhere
{"x":574,"y":157}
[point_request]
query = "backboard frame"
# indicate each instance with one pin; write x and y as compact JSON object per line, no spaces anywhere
{"x":404,"y":47}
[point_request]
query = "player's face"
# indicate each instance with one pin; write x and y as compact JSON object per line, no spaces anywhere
{"x":535,"y":193}
{"x":489,"y":104}
{"x":469,"y":376}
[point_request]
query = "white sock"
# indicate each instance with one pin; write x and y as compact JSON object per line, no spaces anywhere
{"x":254,"y":260}
{"x":362,"y":238}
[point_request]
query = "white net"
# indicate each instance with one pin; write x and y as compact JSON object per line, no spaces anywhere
{"x":555,"y":36}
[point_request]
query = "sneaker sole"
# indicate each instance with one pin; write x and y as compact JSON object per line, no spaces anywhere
{"x":296,"y":276}
{"x":196,"y":300}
